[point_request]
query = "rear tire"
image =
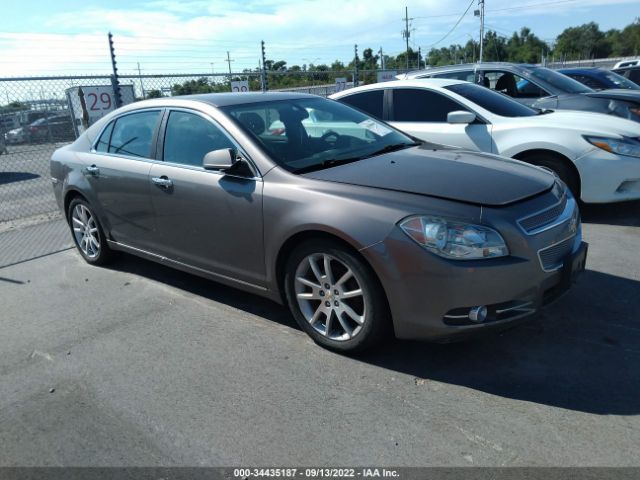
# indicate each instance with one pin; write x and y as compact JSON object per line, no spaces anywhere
{"x":335,"y":297}
{"x":87,"y":233}
{"x":566,"y":174}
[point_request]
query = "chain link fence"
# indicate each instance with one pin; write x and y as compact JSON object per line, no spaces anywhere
{"x":40,"y":114}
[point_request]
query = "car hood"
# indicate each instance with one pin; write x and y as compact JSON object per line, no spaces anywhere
{"x":617,"y":94}
{"x":452,"y":174}
{"x":583,"y":122}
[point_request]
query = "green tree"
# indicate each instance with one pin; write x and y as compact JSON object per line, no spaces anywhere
{"x":584,"y":41}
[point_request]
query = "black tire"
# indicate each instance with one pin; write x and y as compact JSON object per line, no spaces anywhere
{"x":376,"y":325}
{"x":104,"y":253}
{"x":566,"y":173}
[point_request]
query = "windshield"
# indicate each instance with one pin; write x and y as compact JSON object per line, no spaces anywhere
{"x":559,"y":81}
{"x":621,"y":82}
{"x":305,"y":134}
{"x":492,"y":101}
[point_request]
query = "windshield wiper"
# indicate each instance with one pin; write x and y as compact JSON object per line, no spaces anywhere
{"x":332,"y":162}
{"x":392,"y":148}
{"x":341,"y":161}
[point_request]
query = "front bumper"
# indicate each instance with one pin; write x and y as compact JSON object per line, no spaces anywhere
{"x":606,"y":177}
{"x":429,"y":296}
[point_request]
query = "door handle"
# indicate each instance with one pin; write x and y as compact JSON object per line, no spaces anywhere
{"x":93,"y":170}
{"x":162,"y":182}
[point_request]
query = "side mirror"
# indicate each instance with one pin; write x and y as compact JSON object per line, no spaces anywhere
{"x":460,"y":116}
{"x":222,"y":159}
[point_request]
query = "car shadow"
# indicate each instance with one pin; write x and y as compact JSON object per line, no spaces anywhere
{"x":625,"y":214}
{"x":202,"y":287}
{"x":11,"y":177}
{"x":581,"y":353}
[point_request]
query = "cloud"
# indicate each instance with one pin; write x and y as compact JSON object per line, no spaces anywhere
{"x":172,"y":35}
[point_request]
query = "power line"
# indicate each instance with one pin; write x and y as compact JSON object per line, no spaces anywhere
{"x":455,"y":26}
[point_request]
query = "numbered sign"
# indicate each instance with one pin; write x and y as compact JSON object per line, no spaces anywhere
{"x":341,"y":84}
{"x":387,"y":76}
{"x":240,"y":86}
{"x":91,"y":103}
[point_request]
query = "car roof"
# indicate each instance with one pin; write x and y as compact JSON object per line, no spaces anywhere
{"x":227,"y":99}
{"x":584,"y":70}
{"x":467,"y":66}
{"x":411,"y":82}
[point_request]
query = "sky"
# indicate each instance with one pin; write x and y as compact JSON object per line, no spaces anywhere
{"x":68,"y":37}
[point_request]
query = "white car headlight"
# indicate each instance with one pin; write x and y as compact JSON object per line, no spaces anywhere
{"x":456,"y":240}
{"x":626,"y":146}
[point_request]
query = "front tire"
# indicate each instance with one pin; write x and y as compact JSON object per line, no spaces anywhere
{"x":87,"y":233}
{"x":566,"y":174}
{"x":335,"y":297}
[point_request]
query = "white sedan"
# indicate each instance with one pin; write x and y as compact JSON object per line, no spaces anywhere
{"x":597,"y":155}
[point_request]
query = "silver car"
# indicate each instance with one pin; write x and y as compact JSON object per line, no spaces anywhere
{"x":361,"y":230}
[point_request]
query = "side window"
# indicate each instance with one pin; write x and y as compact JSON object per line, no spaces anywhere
{"x":369,"y":102}
{"x":466,"y":75}
{"x":133,"y":134}
{"x":513,"y":85}
{"x":189,"y":137}
{"x":589,"y":81}
{"x":103,"y":142}
{"x":417,"y":105}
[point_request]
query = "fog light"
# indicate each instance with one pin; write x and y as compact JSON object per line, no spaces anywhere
{"x":478,"y":314}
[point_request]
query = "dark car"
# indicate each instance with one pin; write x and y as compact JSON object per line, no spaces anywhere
{"x":630,"y":73}
{"x":540,"y":87}
{"x":599,"y":78}
{"x":53,"y":128}
{"x":363,"y":231}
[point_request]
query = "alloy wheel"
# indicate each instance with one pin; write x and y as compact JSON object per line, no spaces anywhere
{"x":330,"y":296}
{"x":85,"y":231}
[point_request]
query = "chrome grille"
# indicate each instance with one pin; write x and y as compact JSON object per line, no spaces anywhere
{"x":551,"y":258}
{"x":543,"y":218}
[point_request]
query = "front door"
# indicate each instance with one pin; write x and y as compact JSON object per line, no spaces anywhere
{"x":206,"y":219}
{"x":423,"y":114}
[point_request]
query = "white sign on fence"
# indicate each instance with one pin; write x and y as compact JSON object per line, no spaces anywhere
{"x":387,"y":76}
{"x":240,"y":86}
{"x":341,"y":84}
{"x":91,"y":103}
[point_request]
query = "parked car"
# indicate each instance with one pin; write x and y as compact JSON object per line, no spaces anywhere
{"x":539,"y":87}
{"x":627,"y":63}
{"x":3,"y":145}
{"x":597,"y":156}
{"x":55,"y":128}
{"x":631,"y":73}
{"x":599,"y":78}
{"x":16,"y":136}
{"x":362,"y":236}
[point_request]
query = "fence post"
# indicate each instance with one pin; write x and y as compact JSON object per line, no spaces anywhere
{"x":355,"y":66}
{"x":114,"y":78}
{"x":263,"y":73}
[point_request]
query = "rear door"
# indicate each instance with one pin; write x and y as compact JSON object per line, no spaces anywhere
{"x":117,"y":170}
{"x":423,"y":114}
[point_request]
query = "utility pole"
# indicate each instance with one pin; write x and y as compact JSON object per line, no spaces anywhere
{"x":141,"y":85}
{"x":406,"y":33}
{"x":381,"y":59}
{"x":212,"y":70}
{"x":419,"y":58}
{"x":229,"y":60}
{"x":355,"y":65}
{"x":480,"y":13}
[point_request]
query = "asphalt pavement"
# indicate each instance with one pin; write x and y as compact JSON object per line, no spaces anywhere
{"x":138,"y":364}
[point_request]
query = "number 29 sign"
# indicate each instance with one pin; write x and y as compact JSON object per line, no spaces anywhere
{"x":90,"y":103}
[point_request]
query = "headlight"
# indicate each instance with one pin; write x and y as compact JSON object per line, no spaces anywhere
{"x":457,"y":240}
{"x":626,"y":146}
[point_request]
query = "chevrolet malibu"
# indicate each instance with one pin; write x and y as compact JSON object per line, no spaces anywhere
{"x":362,"y":231}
